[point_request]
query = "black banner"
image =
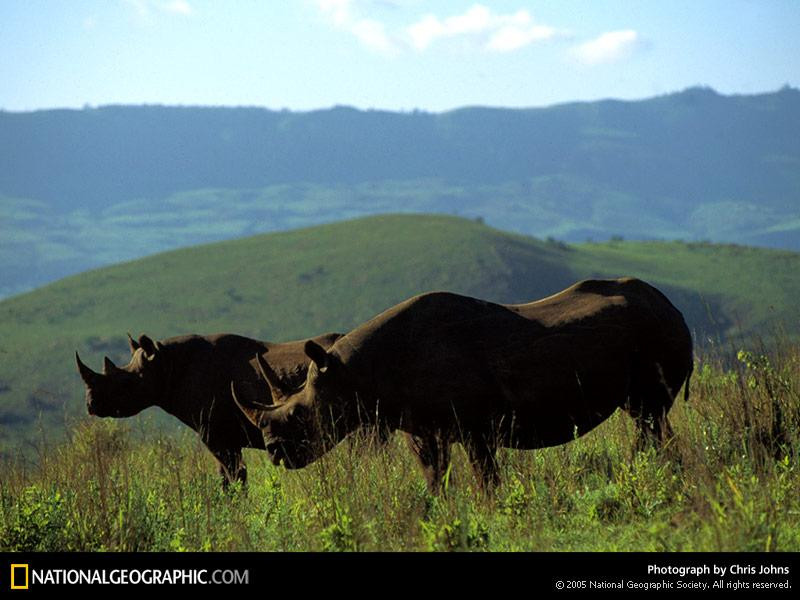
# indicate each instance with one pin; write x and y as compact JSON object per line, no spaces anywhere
{"x":360,"y":573}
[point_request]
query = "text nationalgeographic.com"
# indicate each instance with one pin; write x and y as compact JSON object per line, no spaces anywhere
{"x":139,"y":577}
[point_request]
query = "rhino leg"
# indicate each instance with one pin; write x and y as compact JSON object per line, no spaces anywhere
{"x":482,"y":452}
{"x":231,"y":467}
{"x":650,"y":400}
{"x":653,"y":429}
{"x":433,"y":455}
{"x":373,"y":436}
{"x":383,"y":435}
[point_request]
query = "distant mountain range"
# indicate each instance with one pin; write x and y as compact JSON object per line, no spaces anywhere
{"x":84,"y":188}
{"x":295,"y":284}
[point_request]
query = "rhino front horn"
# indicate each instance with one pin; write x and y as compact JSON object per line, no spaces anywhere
{"x":254,"y":412}
{"x":87,"y":374}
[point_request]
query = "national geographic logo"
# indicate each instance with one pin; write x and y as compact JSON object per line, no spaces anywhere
{"x":19,"y":576}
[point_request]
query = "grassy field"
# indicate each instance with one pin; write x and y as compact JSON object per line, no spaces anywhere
{"x":298,"y":284}
{"x":727,"y":482}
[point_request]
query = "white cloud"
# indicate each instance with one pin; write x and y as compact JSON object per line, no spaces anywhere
{"x":179,"y":7}
{"x":493,"y":32}
{"x":340,"y":11}
{"x":497,"y":32}
{"x":373,"y":34}
{"x":512,"y":38}
{"x":609,"y":47}
{"x":369,"y":32}
{"x":424,"y":32}
{"x":140,"y":7}
{"x":145,"y":9}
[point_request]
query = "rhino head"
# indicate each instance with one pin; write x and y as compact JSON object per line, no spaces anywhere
{"x":300,"y":425}
{"x":126,"y":391}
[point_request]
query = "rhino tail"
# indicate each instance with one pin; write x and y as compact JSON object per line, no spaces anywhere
{"x":686,"y":383}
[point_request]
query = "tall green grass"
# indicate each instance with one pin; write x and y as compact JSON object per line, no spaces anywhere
{"x":727,"y":482}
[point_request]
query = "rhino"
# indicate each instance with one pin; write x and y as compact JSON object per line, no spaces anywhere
{"x":446,"y":368}
{"x":189,"y":377}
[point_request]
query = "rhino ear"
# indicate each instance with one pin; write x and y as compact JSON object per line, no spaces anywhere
{"x":147,"y":345}
{"x":318,"y":355}
{"x":133,"y":344}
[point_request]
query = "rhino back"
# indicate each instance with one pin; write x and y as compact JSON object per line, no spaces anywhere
{"x":432,"y":347}
{"x":440,"y":353}
{"x":289,"y":359}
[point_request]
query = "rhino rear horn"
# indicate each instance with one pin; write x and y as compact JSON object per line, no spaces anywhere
{"x":89,"y":377}
{"x":277,"y":387}
{"x":132,"y":343}
{"x":108,"y":366}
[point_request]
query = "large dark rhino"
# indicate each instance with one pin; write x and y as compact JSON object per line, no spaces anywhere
{"x":445,"y":368}
{"x":189,"y":377}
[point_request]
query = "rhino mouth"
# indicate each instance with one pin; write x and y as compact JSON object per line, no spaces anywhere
{"x":289,"y":454}
{"x":277,"y":451}
{"x":99,"y":410}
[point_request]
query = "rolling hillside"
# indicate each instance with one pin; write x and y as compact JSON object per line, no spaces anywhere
{"x":294,"y":284}
{"x":85,"y":188}
{"x":662,"y":148}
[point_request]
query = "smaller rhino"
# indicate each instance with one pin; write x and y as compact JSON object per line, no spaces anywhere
{"x":189,"y":377}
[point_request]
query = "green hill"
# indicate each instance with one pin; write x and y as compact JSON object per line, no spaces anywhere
{"x":294,"y":284}
{"x":85,"y":188}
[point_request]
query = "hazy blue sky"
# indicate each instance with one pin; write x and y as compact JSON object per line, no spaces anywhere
{"x":393,"y":54}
